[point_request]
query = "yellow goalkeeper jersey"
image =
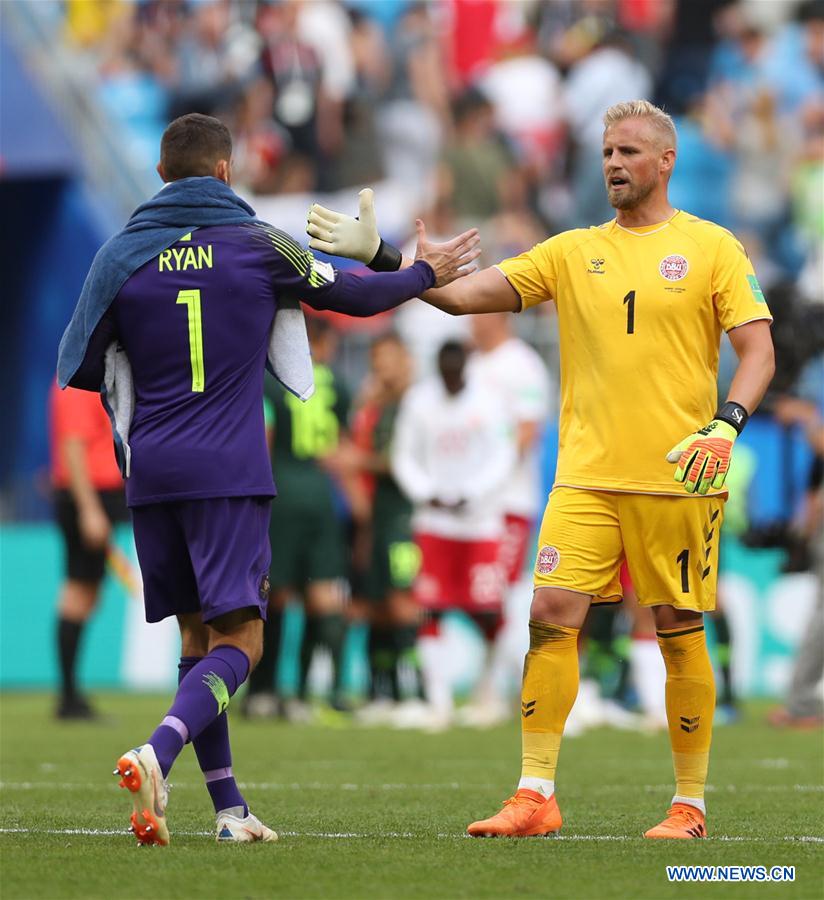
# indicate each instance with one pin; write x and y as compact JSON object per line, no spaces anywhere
{"x":640,"y":313}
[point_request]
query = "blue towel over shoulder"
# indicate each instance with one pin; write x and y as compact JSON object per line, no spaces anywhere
{"x":177,"y":209}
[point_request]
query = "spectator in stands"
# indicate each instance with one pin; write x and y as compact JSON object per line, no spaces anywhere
{"x":795,"y":65}
{"x":476,"y":167}
{"x":690,"y":31}
{"x":215,"y":56}
{"x":807,"y":179}
{"x":294,"y":68}
{"x":415,"y":114}
{"x":260,"y":144}
{"x":359,"y":160}
{"x":606,"y":75}
{"x":762,"y":144}
{"x":705,"y":158}
{"x":88,"y":500}
{"x":136,"y":66}
{"x":87,"y":24}
{"x":325,"y":26}
{"x":525,"y":90}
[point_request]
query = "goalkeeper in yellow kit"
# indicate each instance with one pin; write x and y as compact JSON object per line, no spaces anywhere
{"x":642,"y":301}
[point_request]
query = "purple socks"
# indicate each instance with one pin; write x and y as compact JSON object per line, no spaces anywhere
{"x":199,"y":714}
{"x":214,"y":753}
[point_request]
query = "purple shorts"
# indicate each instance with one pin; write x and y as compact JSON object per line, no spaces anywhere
{"x":209,"y":556}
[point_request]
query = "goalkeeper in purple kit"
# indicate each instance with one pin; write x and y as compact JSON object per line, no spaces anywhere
{"x":179,"y":315}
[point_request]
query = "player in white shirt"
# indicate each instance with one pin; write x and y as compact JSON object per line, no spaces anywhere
{"x":452,"y":455}
{"x":509,"y":365}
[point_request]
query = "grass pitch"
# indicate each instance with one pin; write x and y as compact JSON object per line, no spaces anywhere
{"x":378,"y":813}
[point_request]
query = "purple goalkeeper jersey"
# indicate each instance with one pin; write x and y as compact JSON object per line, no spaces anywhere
{"x":195,"y":325}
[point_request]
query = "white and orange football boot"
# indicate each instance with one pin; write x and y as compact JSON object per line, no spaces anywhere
{"x":683,"y":822}
{"x":242,"y":830}
{"x":527,"y":814}
{"x":140,"y":773}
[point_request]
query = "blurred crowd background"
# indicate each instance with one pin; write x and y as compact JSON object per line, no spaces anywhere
{"x":466,"y":112}
{"x":490,"y":109}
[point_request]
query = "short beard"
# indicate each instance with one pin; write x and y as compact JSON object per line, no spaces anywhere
{"x":631,"y":198}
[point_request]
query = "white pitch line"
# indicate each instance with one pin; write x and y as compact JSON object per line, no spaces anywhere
{"x":92,"y":832}
{"x":395,"y":786}
{"x":738,"y":839}
{"x":248,"y":785}
{"x":404,"y":835}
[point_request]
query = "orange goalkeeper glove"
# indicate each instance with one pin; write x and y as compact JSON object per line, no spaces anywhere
{"x":704,"y":457}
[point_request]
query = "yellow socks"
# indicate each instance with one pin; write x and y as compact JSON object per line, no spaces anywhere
{"x":690,"y":705}
{"x":549,"y":689}
{"x":550,"y":686}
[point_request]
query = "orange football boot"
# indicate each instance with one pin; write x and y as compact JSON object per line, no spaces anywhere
{"x":140,"y":773}
{"x":682,"y":822}
{"x":527,"y":814}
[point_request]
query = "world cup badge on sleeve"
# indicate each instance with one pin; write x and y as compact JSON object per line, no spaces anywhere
{"x":548,"y":559}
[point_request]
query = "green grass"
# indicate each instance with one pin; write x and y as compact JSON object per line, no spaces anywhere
{"x":377,"y":813}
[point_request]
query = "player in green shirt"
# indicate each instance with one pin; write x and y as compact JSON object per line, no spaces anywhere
{"x":307,"y":526}
{"x":394,"y":558}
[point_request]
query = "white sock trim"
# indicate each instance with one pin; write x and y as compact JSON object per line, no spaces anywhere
{"x":235,"y":811}
{"x":691,"y":801}
{"x":540,"y":785}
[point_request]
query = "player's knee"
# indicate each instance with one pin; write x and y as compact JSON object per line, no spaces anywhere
{"x":254,"y":650}
{"x":672,"y":617}
{"x":558,"y":606}
{"x":194,"y":635}
{"x":545,"y":605}
{"x":241,"y":628}
{"x":489,"y":624}
{"x":249,"y":642}
{"x":403,"y":609}
{"x":279,"y":598}
{"x":79,"y":599}
{"x":325,"y":598}
{"x":194,"y":644}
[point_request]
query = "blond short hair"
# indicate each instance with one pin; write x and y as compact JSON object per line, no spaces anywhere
{"x":643,"y":109}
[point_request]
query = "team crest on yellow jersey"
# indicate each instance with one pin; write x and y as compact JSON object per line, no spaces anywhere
{"x":548,"y":559}
{"x":673,"y":267}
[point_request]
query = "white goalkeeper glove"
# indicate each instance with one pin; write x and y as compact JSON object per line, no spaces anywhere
{"x":340,"y":235}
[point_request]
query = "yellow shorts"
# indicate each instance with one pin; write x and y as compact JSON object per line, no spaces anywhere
{"x":670,"y":545}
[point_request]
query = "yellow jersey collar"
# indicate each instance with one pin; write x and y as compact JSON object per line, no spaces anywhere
{"x":644,"y":230}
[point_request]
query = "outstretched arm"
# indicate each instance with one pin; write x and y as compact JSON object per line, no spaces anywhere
{"x":434,"y":264}
{"x":341,"y":235}
{"x":481,"y":292}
